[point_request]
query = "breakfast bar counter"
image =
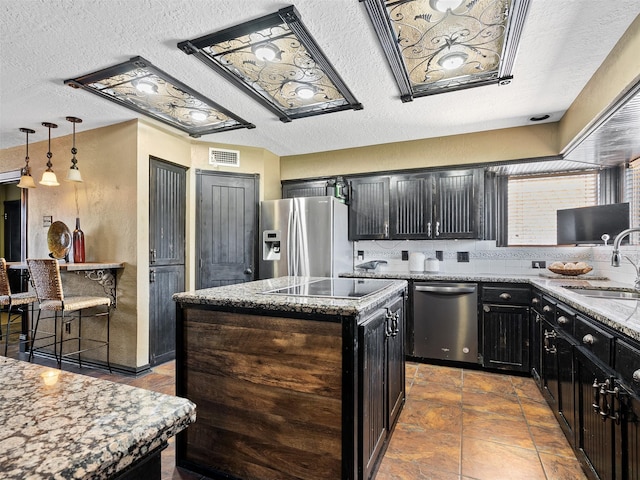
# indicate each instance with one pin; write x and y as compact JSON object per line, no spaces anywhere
{"x":62,"y":425}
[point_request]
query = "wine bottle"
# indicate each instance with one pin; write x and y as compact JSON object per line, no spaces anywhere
{"x":78,"y":243}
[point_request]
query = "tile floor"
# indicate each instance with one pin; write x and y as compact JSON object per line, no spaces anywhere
{"x":457,"y":424}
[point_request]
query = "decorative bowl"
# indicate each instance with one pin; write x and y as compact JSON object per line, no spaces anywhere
{"x":571,"y":271}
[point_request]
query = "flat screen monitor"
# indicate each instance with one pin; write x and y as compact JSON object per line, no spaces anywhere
{"x":588,"y":224}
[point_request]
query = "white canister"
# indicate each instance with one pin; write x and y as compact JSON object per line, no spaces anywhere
{"x":431,"y":265}
{"x":416,"y":262}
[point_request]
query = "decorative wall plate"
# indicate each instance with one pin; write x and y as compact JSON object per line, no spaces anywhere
{"x":59,"y":240}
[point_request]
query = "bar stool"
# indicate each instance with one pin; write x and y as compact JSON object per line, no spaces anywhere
{"x":45,"y":276}
{"x":18,"y":304}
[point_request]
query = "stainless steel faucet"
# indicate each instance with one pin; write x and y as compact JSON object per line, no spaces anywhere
{"x":616,"y":256}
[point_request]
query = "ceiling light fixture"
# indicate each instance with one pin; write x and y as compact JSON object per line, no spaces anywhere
{"x":49,"y":177}
{"x":246,"y":56}
{"x":74,"y":172}
{"x":266,"y":52}
{"x":26,"y":180}
{"x":140,"y":86}
{"x":444,"y":5}
{"x":436,"y":46}
{"x":452,"y":61}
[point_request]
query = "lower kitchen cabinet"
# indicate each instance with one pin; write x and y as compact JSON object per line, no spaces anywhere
{"x":590,"y":377}
{"x":505,"y":327}
{"x":382,"y":380}
{"x":595,"y":443}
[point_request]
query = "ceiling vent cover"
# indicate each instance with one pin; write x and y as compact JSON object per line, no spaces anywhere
{"x":226,"y":158}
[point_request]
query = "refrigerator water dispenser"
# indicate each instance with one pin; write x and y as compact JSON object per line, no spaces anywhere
{"x":271,"y":245}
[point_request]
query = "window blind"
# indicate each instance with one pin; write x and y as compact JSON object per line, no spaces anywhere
{"x":633,"y":197}
{"x":533,"y":201}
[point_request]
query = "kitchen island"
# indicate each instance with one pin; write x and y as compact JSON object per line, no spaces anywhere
{"x":56,"y":424}
{"x":290,"y":385}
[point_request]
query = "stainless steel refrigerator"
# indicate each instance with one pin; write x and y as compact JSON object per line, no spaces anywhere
{"x":304,"y":237}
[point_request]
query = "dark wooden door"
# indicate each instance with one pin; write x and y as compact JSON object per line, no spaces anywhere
{"x":395,"y":362}
{"x":226,"y":228}
{"x":457,"y":204}
{"x":411,"y":206}
{"x":167,"y":210}
{"x":369,"y":212}
{"x":596,"y":432}
{"x":550,"y":365}
{"x":505,"y":338}
{"x":373,"y":401}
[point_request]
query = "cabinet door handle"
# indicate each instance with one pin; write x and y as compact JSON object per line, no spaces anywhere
{"x":152,"y":276}
{"x":562,"y":320}
{"x":636,"y":376}
{"x":535,"y":301}
{"x":428,"y":229}
{"x":505,"y":296}
{"x":546,"y":309}
{"x":386,"y":230}
{"x":152,"y":255}
{"x":437,"y":229}
{"x":588,"y":339}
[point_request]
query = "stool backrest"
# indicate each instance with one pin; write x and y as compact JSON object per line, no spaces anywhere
{"x":45,"y":276}
{"x":5,"y":290}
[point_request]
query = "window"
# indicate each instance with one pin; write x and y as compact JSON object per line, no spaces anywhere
{"x":533,"y":201}
{"x":633,"y":197}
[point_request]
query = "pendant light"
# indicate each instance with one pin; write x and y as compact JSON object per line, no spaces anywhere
{"x":26,"y":180}
{"x":74,"y":173}
{"x":48,"y":177}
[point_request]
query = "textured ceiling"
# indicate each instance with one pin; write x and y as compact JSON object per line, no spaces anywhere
{"x":44,"y":42}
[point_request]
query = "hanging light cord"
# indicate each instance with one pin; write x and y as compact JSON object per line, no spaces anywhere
{"x":74,"y":150}
{"x":26,"y":159}
{"x":49,"y":154}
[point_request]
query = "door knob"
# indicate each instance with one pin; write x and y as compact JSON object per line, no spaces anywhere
{"x":248,"y":271}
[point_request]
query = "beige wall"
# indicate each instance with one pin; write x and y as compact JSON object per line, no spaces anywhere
{"x":106,"y":158}
{"x":495,"y":145}
{"x":618,"y":72}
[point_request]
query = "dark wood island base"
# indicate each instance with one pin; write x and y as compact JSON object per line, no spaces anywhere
{"x":287,"y":392}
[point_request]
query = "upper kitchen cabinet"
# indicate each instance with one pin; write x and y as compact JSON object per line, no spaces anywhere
{"x":457,"y":203}
{"x":436,"y":205}
{"x":369,"y":208}
{"x":305,"y":188}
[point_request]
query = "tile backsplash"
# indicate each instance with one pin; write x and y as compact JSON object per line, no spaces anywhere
{"x":485,"y":257}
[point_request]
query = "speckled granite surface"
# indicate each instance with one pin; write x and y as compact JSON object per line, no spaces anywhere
{"x":250,"y":296}
{"x":621,"y":315}
{"x":80,"y":427}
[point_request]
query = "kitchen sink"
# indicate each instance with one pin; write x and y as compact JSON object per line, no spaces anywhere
{"x":616,"y":294}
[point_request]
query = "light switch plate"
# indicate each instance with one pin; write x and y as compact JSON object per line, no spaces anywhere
{"x":47,"y":220}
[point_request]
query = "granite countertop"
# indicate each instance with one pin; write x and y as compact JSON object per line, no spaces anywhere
{"x":80,"y":427}
{"x":621,"y":315}
{"x":250,"y":296}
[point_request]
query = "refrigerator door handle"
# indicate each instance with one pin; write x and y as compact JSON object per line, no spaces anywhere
{"x":289,"y":227}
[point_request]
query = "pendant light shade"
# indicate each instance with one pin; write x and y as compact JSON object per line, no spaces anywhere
{"x":74,"y":172}
{"x":48,"y":177}
{"x":26,"y":180}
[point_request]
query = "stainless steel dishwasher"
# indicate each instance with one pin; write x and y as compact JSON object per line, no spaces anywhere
{"x":445,"y":321}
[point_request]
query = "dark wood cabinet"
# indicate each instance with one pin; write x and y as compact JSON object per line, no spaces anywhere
{"x":382,"y":391}
{"x":457,"y":203}
{"x":505,"y":327}
{"x":369,"y":208}
{"x":590,"y":377}
{"x":306,"y":188}
{"x":411,"y":213}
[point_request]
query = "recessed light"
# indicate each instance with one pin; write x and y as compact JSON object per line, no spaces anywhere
{"x":539,"y":118}
{"x":444,"y":5}
{"x":451,"y":61}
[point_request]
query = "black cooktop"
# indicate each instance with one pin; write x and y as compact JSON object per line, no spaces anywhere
{"x":334,"y":288}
